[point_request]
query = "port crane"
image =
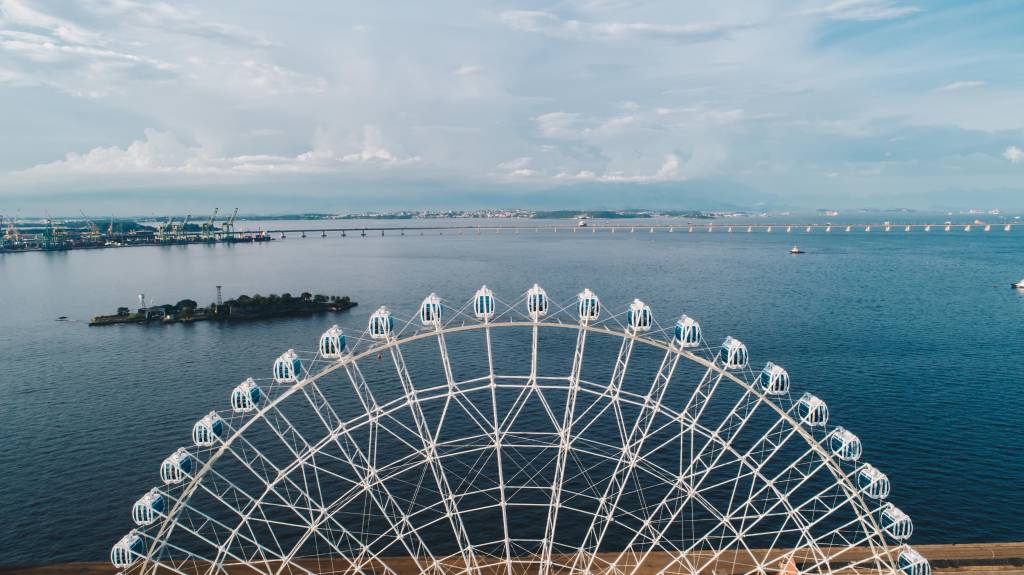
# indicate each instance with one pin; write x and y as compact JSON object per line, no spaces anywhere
{"x":163,"y":229}
{"x":181,"y":228}
{"x":229,"y":226}
{"x":207,"y":232}
{"x":54,"y":236}
{"x":11,"y":235}
{"x":94,"y":232}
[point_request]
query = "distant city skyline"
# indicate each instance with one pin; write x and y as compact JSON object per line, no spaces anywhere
{"x":135,"y":107}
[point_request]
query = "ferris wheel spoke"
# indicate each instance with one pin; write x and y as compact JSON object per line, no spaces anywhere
{"x":290,"y":506}
{"x":682,"y":477}
{"x":178,"y":565}
{"x":468,"y":407}
{"x":564,"y":445}
{"x":364,"y":465}
{"x":534,"y":388}
{"x":499,"y":460}
{"x":187,"y":508}
{"x":707,"y":539}
{"x":607,"y":396}
{"x":171,"y":523}
{"x":697,"y":470}
{"x":440,"y":477}
{"x":631,"y":450}
{"x":791,"y":514}
{"x":374,"y":414}
{"x":284,"y":476}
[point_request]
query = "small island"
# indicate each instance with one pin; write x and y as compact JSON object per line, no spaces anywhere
{"x":242,"y":308}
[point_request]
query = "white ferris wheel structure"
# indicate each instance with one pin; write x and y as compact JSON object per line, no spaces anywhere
{"x":524,"y":436}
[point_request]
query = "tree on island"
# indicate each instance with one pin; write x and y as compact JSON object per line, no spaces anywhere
{"x":286,"y":299}
{"x":186,"y":304}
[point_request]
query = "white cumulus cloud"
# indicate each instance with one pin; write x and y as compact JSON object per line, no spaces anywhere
{"x":668,"y":171}
{"x":1014,"y":154}
{"x":163,"y":153}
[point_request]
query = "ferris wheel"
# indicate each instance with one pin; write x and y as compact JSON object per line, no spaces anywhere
{"x":506,"y":437}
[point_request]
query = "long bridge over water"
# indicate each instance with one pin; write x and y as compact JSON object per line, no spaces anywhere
{"x":676,"y":227}
{"x":37,"y":242}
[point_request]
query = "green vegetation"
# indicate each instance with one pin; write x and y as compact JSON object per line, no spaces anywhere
{"x":243,"y":307}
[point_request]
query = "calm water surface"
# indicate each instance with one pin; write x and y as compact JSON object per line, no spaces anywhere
{"x":914,"y":340}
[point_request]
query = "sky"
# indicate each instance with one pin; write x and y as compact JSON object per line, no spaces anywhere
{"x":137,"y":107}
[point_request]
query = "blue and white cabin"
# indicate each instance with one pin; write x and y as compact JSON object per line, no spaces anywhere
{"x":639,"y":317}
{"x":844,"y":444}
{"x":382,"y":324}
{"x":895,"y":522}
{"x":588,"y":306}
{"x":246,"y":396}
{"x":148,"y":508}
{"x":176,"y":467}
{"x":687,"y":332}
{"x":536,"y":302}
{"x":287,"y":367}
{"x":127,"y":550}
{"x":733,"y":354}
{"x":812,"y":410}
{"x":206,"y":431}
{"x":431,"y":312}
{"x":332,"y":343}
{"x":483,"y":304}
{"x":911,"y":562}
{"x":774,"y":379}
{"x":872,"y":482}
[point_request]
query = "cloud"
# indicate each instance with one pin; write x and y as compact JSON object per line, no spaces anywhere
{"x":17,"y":13}
{"x":550,"y":24}
{"x":467,"y":70}
{"x":168,"y":18}
{"x":584,"y":90}
{"x":373,"y":150}
{"x":518,"y":168}
{"x":962,"y":85}
{"x":1014,"y":154}
{"x":558,"y":124}
{"x":567,"y":125}
{"x":864,"y":10}
{"x":668,"y":171}
{"x":706,"y":113}
{"x":131,"y":45}
{"x":163,"y":153}
{"x":158,"y":152}
{"x":272,"y":79}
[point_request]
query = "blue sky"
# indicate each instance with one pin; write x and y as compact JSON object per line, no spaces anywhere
{"x":133,"y":107}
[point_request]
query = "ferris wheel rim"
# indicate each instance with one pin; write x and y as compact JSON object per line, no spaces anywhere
{"x":854,"y":494}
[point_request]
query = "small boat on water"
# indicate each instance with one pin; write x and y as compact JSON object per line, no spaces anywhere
{"x":1018,"y":285}
{"x":795,"y":250}
{"x":62,"y":318}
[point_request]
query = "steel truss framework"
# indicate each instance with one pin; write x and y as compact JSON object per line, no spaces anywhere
{"x":526,"y":438}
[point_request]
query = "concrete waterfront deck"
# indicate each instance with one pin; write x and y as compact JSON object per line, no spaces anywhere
{"x":967,"y":559}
